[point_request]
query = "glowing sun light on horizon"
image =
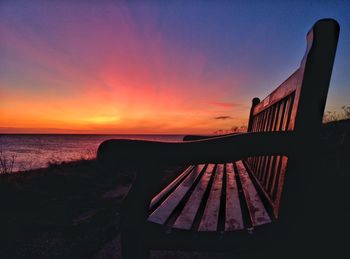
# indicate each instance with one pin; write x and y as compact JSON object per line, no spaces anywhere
{"x":102,"y":119}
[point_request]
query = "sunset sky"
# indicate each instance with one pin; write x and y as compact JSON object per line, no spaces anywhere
{"x":153,"y":66}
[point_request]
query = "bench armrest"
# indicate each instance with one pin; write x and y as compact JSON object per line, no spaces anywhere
{"x":214,"y":150}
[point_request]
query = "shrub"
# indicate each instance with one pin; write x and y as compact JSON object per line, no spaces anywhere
{"x":6,"y":163}
{"x":336,"y":116}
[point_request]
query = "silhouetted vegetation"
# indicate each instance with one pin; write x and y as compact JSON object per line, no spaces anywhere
{"x":6,"y":163}
{"x":233,"y":129}
{"x":58,"y":212}
{"x":336,"y":116}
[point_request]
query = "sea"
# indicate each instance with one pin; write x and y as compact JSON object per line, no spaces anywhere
{"x":22,"y":152}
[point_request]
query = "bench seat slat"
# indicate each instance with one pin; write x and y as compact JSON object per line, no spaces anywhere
{"x":257,"y":211}
{"x":188,"y":214}
{"x":166,"y":190}
{"x":162,"y":213}
{"x":195,"y":195}
{"x":210,"y":217}
{"x":233,"y":218}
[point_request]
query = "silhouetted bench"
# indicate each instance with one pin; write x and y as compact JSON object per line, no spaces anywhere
{"x":239,"y":191}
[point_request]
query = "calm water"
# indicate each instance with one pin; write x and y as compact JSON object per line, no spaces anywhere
{"x":35,"y":151}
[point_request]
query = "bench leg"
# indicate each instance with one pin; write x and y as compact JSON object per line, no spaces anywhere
{"x":133,"y":245}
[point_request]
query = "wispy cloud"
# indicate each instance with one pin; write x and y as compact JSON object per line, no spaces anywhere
{"x":225,"y":117}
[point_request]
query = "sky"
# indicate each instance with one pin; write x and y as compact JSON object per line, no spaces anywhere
{"x":153,"y":67}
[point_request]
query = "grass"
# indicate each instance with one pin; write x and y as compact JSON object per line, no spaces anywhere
{"x":6,"y":163}
{"x":41,"y":211}
{"x":68,"y":210}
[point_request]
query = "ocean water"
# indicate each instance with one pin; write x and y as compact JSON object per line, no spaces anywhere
{"x":30,"y":151}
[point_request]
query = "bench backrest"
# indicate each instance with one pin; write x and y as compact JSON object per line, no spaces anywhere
{"x":296,"y":105}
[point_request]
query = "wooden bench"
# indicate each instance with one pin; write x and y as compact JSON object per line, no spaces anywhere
{"x":239,"y":191}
